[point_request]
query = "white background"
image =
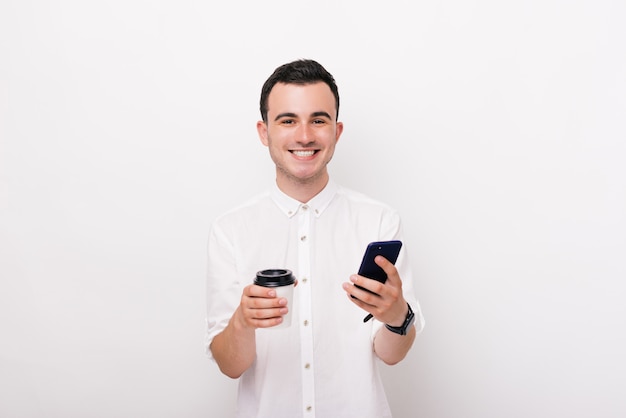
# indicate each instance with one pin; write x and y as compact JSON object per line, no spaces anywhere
{"x":496,"y":128}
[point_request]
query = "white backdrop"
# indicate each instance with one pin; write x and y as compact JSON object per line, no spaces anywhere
{"x":495,"y":128}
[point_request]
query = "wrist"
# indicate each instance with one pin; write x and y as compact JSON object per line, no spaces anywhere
{"x":408,"y":322}
{"x":400,"y":320}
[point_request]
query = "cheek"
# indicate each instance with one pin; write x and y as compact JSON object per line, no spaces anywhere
{"x":330,"y":151}
{"x":277,"y":138}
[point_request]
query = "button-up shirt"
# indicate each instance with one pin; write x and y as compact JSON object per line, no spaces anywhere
{"x":324,"y":364}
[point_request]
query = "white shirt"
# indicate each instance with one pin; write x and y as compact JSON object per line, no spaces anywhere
{"x":324,"y":364}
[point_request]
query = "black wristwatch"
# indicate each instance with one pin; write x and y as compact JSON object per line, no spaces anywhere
{"x":403,"y":329}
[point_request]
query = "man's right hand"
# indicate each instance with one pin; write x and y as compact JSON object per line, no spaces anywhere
{"x":260,"y":308}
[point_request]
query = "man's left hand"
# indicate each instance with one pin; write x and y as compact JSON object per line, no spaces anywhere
{"x":385,"y":302}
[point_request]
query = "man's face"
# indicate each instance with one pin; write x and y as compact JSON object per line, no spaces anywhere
{"x":301,"y":132}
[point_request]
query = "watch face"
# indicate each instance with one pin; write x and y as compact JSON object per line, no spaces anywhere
{"x":411,"y":321}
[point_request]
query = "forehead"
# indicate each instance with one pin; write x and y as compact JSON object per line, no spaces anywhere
{"x":301,"y":99}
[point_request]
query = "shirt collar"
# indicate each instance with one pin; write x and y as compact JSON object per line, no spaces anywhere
{"x":290,"y":206}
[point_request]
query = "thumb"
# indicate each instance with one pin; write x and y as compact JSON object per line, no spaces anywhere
{"x":388,"y":267}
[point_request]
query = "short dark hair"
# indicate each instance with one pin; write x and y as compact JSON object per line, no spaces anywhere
{"x":303,"y":71}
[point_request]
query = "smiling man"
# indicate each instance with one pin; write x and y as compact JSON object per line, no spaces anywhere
{"x":326,"y":363}
{"x":300,"y":129}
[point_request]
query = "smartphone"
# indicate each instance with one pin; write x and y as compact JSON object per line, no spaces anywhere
{"x":371,"y":270}
{"x":388,"y":249}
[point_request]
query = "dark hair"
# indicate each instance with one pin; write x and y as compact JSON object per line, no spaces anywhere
{"x":298,"y":72}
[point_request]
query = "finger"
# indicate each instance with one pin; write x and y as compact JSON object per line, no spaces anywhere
{"x":267,"y":323}
{"x":367,"y":284}
{"x":263,"y":302}
{"x":257,"y":291}
{"x":370,"y":308}
{"x":263,"y":322}
{"x":264,"y":317}
{"x":363,"y":289}
{"x":268,"y":313}
{"x":390,"y":269}
{"x":365,"y":306}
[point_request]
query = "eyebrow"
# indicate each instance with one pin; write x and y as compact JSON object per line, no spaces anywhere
{"x":293,"y":115}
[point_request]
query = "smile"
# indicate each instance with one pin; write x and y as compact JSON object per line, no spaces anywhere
{"x":303,"y":153}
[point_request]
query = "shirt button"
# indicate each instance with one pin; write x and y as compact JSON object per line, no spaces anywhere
{"x":309,"y":408}
{"x":305,"y":207}
{"x":304,"y":280}
{"x":307,"y":366}
{"x":303,"y":238}
{"x":306,"y":322}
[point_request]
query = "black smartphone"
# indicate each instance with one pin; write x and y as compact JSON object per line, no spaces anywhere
{"x":388,"y":249}
{"x":371,"y":270}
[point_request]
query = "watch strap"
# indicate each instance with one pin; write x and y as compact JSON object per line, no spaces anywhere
{"x":408,"y":321}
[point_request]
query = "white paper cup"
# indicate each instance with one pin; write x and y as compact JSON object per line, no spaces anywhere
{"x":283,"y":282}
{"x":287,"y":293}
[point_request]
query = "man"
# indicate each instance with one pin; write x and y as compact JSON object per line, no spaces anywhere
{"x":326,"y":363}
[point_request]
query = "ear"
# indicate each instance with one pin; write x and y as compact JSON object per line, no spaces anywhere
{"x":338,"y":131}
{"x":261,"y":128}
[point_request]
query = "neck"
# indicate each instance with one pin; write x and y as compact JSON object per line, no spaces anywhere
{"x":302,"y":190}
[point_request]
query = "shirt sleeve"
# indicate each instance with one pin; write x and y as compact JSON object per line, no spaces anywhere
{"x":391,"y":229}
{"x":408,"y":287}
{"x":223,"y":289}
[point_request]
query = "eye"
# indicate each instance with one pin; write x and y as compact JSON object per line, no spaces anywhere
{"x":319,"y":121}
{"x":287,"y":122}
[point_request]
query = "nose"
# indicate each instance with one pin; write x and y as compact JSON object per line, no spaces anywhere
{"x":305,"y":134}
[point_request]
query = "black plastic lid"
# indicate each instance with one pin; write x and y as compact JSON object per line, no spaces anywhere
{"x":274,"y":277}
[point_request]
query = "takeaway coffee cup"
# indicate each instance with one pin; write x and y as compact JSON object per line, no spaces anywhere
{"x":283,"y":281}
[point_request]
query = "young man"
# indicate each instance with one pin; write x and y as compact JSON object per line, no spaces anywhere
{"x":326,"y":363}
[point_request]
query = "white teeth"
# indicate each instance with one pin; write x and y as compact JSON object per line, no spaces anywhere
{"x":304,"y":153}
